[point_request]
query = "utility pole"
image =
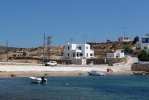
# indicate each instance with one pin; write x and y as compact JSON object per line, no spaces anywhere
{"x":48,"y":46}
{"x":7,"y":49}
{"x":124,"y":32}
{"x":44,"y":38}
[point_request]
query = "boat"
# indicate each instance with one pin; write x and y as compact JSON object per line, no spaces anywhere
{"x":140,"y":73}
{"x":96,"y":73}
{"x":37,"y":80}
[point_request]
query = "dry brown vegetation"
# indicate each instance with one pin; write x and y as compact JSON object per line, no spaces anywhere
{"x":100,"y":50}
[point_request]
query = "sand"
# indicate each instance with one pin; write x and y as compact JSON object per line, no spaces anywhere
{"x":60,"y":70}
{"x":26,"y":70}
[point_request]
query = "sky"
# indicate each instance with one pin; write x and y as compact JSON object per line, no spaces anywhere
{"x":23,"y":23}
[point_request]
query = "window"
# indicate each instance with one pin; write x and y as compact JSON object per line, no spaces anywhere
{"x":79,"y":48}
{"x":73,"y":54}
{"x":81,"y":54}
{"x":68,"y":54}
{"x":68,"y":48}
{"x":91,"y":54}
{"x":77,"y":54}
{"x":86,"y":47}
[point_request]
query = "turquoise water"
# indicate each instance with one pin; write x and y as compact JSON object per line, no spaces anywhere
{"x":77,"y":88}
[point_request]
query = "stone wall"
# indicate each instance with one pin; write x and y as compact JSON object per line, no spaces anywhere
{"x":60,"y":61}
{"x":107,"y":61}
{"x":140,"y":67}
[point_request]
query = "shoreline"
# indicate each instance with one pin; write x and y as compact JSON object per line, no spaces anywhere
{"x":28,"y":70}
{"x":4,"y":74}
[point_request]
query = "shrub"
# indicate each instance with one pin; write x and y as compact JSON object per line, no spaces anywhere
{"x":128,"y":49}
{"x":144,"y":55}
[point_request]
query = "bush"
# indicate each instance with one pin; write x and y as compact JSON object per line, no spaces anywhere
{"x":128,"y":49}
{"x":143,"y":55}
{"x":136,"y":39}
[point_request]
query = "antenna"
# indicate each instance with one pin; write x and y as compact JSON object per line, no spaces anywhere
{"x":124,"y":32}
{"x":71,"y":39}
{"x":84,"y":38}
{"x":48,"y":45}
{"x":44,"y":38}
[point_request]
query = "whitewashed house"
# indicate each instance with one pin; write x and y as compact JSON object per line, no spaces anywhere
{"x":116,"y":54}
{"x":143,"y":42}
{"x":77,"y":51}
{"x":22,"y":53}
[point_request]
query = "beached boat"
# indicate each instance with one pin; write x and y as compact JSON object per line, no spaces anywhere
{"x":140,"y":73}
{"x":96,"y":73}
{"x":37,"y":80}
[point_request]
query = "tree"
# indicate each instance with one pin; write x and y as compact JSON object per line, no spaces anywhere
{"x":136,"y":39}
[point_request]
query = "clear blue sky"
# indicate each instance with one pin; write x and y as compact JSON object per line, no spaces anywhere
{"x":23,"y":22}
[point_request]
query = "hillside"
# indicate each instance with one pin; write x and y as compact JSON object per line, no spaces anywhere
{"x":100,"y":50}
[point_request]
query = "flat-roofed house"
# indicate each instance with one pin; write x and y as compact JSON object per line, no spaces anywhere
{"x":124,"y":39}
{"x":143,"y":42}
{"x":116,"y":54}
{"x":77,"y":51}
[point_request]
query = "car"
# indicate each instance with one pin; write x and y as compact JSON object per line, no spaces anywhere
{"x":51,"y":63}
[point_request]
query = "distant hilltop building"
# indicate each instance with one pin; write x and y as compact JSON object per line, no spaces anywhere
{"x":77,"y":51}
{"x":124,"y":39}
{"x":143,"y":42}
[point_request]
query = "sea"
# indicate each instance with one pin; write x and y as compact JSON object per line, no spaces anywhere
{"x":110,"y":87}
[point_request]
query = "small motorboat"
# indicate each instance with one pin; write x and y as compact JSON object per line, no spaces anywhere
{"x":37,"y":80}
{"x":96,"y":73}
{"x":140,"y":73}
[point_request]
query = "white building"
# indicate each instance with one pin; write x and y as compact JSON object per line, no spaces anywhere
{"x":116,"y":54}
{"x":22,"y":53}
{"x":143,"y":43}
{"x":124,"y":39}
{"x":77,"y":51}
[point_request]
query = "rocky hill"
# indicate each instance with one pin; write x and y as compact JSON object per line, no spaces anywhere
{"x":100,"y":50}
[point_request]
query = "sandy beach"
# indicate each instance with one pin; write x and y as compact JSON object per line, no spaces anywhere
{"x":25,"y":70}
{"x":60,"y":70}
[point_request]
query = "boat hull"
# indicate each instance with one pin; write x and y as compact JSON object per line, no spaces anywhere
{"x":38,"y":80}
{"x":95,"y":73}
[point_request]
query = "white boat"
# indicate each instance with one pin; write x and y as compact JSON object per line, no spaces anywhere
{"x":140,"y":73}
{"x":96,"y":73}
{"x":37,"y":80}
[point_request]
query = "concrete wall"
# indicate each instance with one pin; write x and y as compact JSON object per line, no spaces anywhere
{"x":78,"y":61}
